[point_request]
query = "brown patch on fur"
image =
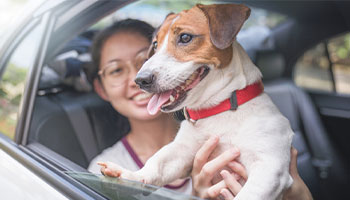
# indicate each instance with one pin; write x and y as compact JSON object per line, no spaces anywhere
{"x":201,"y":49}
{"x":225,"y":21}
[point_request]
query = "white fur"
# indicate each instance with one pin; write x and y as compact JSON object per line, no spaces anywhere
{"x":257,"y":128}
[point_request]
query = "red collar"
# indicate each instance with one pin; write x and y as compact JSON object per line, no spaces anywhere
{"x":237,"y":98}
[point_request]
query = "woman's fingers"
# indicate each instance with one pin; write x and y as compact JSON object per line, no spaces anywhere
{"x":226,"y":194}
{"x":203,"y":153}
{"x":239,"y":169}
{"x":293,"y":170}
{"x":215,"y":190}
{"x":231,"y":183}
{"x":211,"y":167}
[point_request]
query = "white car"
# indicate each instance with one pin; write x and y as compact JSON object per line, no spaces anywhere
{"x":52,"y":124}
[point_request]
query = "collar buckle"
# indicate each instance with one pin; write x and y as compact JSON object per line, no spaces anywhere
{"x":233,"y":101}
{"x":187,"y":116}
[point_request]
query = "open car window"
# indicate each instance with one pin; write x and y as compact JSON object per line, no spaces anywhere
{"x":71,"y":124}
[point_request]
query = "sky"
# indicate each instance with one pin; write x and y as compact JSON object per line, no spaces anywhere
{"x":12,"y":11}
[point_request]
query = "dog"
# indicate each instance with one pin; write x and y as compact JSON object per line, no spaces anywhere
{"x":196,"y":64}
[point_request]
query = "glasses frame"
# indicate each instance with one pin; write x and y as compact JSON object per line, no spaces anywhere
{"x":130,"y":63}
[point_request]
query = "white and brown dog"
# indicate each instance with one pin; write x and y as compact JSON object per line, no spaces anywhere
{"x":197,"y":63}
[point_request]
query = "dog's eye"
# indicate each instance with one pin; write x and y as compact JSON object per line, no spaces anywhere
{"x":155,"y":44}
{"x":185,"y":38}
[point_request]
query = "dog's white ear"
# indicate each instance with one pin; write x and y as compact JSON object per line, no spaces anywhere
{"x":225,"y":21}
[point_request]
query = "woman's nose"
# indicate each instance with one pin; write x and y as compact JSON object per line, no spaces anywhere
{"x":131,"y":78}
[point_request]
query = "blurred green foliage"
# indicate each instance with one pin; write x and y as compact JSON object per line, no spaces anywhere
{"x":11,"y":89}
{"x":14,"y":74}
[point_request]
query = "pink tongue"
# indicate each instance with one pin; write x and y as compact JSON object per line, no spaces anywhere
{"x":157,"y":101}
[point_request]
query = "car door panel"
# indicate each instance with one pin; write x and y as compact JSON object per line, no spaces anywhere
{"x":334,"y":110}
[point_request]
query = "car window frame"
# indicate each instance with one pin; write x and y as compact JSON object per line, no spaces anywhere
{"x":18,"y":149}
{"x":26,"y":104}
{"x":6,"y":57}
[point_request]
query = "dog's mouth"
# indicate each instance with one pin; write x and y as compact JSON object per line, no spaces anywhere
{"x":168,"y":100}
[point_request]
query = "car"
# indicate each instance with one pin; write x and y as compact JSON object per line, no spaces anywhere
{"x":52,"y":123}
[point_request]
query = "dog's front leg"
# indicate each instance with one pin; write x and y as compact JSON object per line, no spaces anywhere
{"x":265,"y":181}
{"x":170,"y":163}
{"x":174,"y":160}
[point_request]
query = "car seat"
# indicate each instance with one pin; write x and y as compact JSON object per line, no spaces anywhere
{"x":319,"y":163}
{"x":68,"y":117}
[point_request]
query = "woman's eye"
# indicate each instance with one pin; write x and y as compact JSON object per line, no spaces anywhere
{"x":185,"y":38}
{"x":115,"y":71}
{"x":155,"y":45}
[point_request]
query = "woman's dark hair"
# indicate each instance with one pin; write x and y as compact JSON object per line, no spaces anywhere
{"x":127,"y":25}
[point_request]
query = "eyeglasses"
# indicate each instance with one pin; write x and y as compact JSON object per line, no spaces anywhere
{"x":116,"y":73}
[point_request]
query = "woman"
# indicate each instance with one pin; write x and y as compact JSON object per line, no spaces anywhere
{"x":118,"y":52}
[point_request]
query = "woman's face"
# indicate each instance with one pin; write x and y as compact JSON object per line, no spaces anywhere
{"x":125,"y":97}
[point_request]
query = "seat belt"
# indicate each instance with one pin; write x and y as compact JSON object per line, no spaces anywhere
{"x":320,"y":158}
{"x":82,"y":127}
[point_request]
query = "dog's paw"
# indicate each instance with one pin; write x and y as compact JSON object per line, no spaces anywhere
{"x":110,"y":169}
{"x":114,"y":170}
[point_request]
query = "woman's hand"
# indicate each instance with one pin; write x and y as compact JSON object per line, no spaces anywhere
{"x":298,"y":190}
{"x":204,"y":171}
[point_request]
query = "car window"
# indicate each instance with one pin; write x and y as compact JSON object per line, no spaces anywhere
{"x":13,"y":80}
{"x":115,"y":188}
{"x":326,"y":66}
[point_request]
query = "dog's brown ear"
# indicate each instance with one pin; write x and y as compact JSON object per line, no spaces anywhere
{"x":225,"y":21}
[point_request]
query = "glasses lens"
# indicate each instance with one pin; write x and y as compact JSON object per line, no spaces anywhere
{"x":140,"y":59}
{"x":116,"y":73}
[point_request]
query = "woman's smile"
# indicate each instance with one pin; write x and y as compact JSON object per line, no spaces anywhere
{"x":141,"y":98}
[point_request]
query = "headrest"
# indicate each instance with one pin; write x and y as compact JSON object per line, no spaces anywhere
{"x":69,"y":67}
{"x":271,"y":64}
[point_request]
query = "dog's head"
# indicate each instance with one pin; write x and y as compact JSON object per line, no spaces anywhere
{"x":186,"y":48}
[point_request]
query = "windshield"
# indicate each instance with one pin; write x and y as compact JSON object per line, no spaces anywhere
{"x":116,"y":188}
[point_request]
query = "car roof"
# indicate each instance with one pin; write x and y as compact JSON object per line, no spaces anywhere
{"x":307,"y":10}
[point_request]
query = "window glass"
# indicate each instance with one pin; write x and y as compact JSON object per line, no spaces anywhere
{"x":339,"y":53}
{"x":14,"y":78}
{"x":312,"y":69}
{"x":115,"y":188}
{"x":326,"y":66}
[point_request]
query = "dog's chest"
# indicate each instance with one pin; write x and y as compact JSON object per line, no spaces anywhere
{"x":248,"y":128}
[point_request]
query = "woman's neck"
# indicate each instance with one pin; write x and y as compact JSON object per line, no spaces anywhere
{"x":147,"y":137}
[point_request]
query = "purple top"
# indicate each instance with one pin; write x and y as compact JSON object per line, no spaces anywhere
{"x":140,"y":164}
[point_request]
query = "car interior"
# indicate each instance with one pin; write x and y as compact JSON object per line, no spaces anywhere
{"x":71,"y":124}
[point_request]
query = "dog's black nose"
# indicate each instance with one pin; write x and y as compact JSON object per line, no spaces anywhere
{"x":145,"y":79}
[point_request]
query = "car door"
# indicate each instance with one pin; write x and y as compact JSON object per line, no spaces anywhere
{"x":20,"y":61}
